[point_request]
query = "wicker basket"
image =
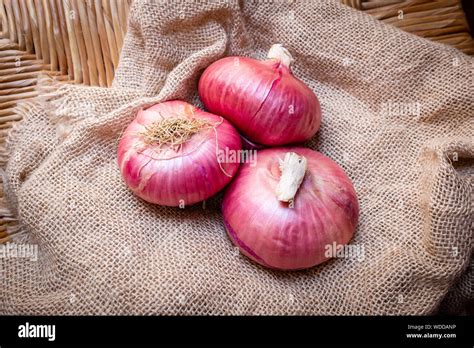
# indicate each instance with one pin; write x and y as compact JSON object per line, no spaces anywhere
{"x":438,"y":20}
{"x":79,"y":41}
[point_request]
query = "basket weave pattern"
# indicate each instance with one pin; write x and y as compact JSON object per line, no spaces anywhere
{"x":71,"y":40}
{"x":443,"y":21}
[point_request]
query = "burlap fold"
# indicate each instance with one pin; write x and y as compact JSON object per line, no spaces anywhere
{"x":397,"y":116}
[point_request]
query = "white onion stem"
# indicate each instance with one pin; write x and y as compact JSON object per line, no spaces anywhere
{"x":280,"y":53}
{"x":293,"y":169}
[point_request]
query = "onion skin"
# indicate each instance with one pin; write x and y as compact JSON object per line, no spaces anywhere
{"x":262,"y":99}
{"x":176,"y":178}
{"x":249,"y":145}
{"x":325,"y":210}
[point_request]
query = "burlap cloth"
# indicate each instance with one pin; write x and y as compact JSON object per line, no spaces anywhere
{"x":397,"y":116}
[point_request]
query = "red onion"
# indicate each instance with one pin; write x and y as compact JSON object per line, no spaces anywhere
{"x":284,"y":212}
{"x":262,"y":99}
{"x":169,"y":154}
{"x":249,"y":145}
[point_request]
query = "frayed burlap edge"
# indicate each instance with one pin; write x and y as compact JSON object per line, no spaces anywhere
{"x":51,"y":94}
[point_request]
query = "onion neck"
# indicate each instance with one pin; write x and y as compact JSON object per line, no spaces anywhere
{"x":281,"y":54}
{"x":293,"y":169}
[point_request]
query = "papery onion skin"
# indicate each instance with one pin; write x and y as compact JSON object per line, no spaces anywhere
{"x":167,"y":177}
{"x":262,"y":99}
{"x":325,"y":210}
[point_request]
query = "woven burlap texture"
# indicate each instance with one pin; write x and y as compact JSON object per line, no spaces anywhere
{"x":397,"y":116}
